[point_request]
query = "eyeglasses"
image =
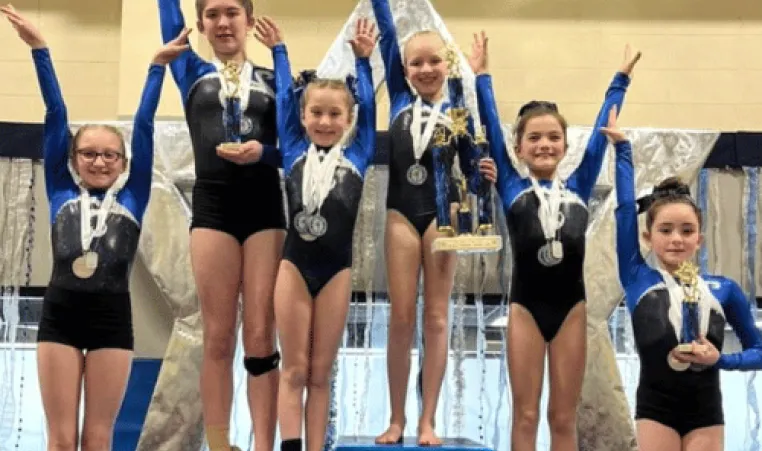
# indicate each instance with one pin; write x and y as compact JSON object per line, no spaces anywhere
{"x":534,"y":104}
{"x":107,"y":156}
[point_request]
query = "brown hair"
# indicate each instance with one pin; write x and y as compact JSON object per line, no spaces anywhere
{"x":537,"y":109}
{"x":247,"y":5}
{"x":670,"y":191}
{"x":328,"y":83}
{"x":109,"y":128}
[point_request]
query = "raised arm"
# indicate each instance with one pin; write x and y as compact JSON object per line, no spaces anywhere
{"x":290,"y":131}
{"x":506,"y":173}
{"x":56,"y":135}
{"x":490,"y":118}
{"x":587,"y":172}
{"x":626,"y":214}
{"x":390,"y":53}
{"x":365,"y":133}
{"x":740,"y":318}
{"x":187,"y":67}
{"x":56,"y":139}
{"x":141,"y":166}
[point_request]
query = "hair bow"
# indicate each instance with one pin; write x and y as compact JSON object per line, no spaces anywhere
{"x":645,"y":202}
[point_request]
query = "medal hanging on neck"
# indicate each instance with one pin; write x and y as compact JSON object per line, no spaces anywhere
{"x":551,"y":219}
{"x":86,"y":264}
{"x":317,"y":183}
{"x":417,"y":174}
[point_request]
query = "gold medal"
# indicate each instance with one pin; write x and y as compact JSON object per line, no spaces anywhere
{"x":85,"y":265}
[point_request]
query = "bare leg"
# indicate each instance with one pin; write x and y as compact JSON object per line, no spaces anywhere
{"x":403,"y":262}
{"x":59,"y":370}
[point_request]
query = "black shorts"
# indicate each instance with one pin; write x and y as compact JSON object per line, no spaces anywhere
{"x":240,"y":209}
{"x":86,"y":321}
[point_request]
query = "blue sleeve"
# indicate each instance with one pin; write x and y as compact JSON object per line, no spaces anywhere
{"x":626,"y":214}
{"x":586,"y":174}
{"x":399,"y":92}
{"x":141,"y":166}
{"x":188,"y":67}
{"x":485,"y":97}
{"x":365,"y":130}
{"x":56,"y":135}
{"x":739,"y":317}
{"x":290,"y":132}
{"x":271,"y":156}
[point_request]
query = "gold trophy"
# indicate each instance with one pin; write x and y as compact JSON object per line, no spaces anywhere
{"x":688,"y":275}
{"x":231,"y":114}
{"x":464,"y":240}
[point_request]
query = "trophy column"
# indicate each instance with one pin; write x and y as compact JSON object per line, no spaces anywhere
{"x":464,"y":240}
{"x":687,"y":274}
{"x":231,"y":112}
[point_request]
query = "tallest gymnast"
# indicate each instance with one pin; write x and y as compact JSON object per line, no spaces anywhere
{"x":233,"y":249}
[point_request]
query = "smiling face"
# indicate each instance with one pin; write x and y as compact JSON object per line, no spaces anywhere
{"x":673,"y":231}
{"x":327,"y":111}
{"x":425,"y":66}
{"x":541,"y":138}
{"x":225,"y":24}
{"x":98,"y":156}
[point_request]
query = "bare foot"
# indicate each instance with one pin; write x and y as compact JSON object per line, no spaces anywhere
{"x":427,"y":436}
{"x":392,"y":436}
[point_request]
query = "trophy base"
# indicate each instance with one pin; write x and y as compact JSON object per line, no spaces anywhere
{"x":230,"y":147}
{"x":685,"y":347}
{"x":468,"y":244}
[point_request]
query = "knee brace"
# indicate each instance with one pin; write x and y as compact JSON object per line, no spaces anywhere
{"x":257,"y":366}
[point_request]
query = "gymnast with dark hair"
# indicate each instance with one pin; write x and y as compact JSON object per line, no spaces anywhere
{"x":678,"y":401}
{"x":547,"y":221}
{"x":98,"y":190}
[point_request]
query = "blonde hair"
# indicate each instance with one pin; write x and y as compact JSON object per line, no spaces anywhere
{"x":104,"y":127}
{"x":328,"y":83}
{"x":419,"y":34}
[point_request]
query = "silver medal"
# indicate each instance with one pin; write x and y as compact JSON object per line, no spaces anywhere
{"x":550,"y":254}
{"x":417,"y":174}
{"x":246,"y":125}
{"x":317,"y":226}
{"x":301,"y":221}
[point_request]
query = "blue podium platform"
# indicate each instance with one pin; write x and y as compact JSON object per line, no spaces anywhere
{"x":408,"y":444}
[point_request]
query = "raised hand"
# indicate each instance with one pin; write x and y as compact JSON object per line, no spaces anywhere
{"x":267,"y":32}
{"x":478,"y":57}
{"x":173,"y":48}
{"x":630,"y":60}
{"x":365,"y":38}
{"x":610,"y":130}
{"x":27,"y":32}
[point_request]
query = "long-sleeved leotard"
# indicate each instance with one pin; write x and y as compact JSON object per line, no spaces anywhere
{"x":549,"y":303}
{"x":220,"y":182}
{"x":92,"y":313}
{"x":318,"y":260}
{"x":116,"y":249}
{"x":685,"y":400}
{"x":417,"y":203}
